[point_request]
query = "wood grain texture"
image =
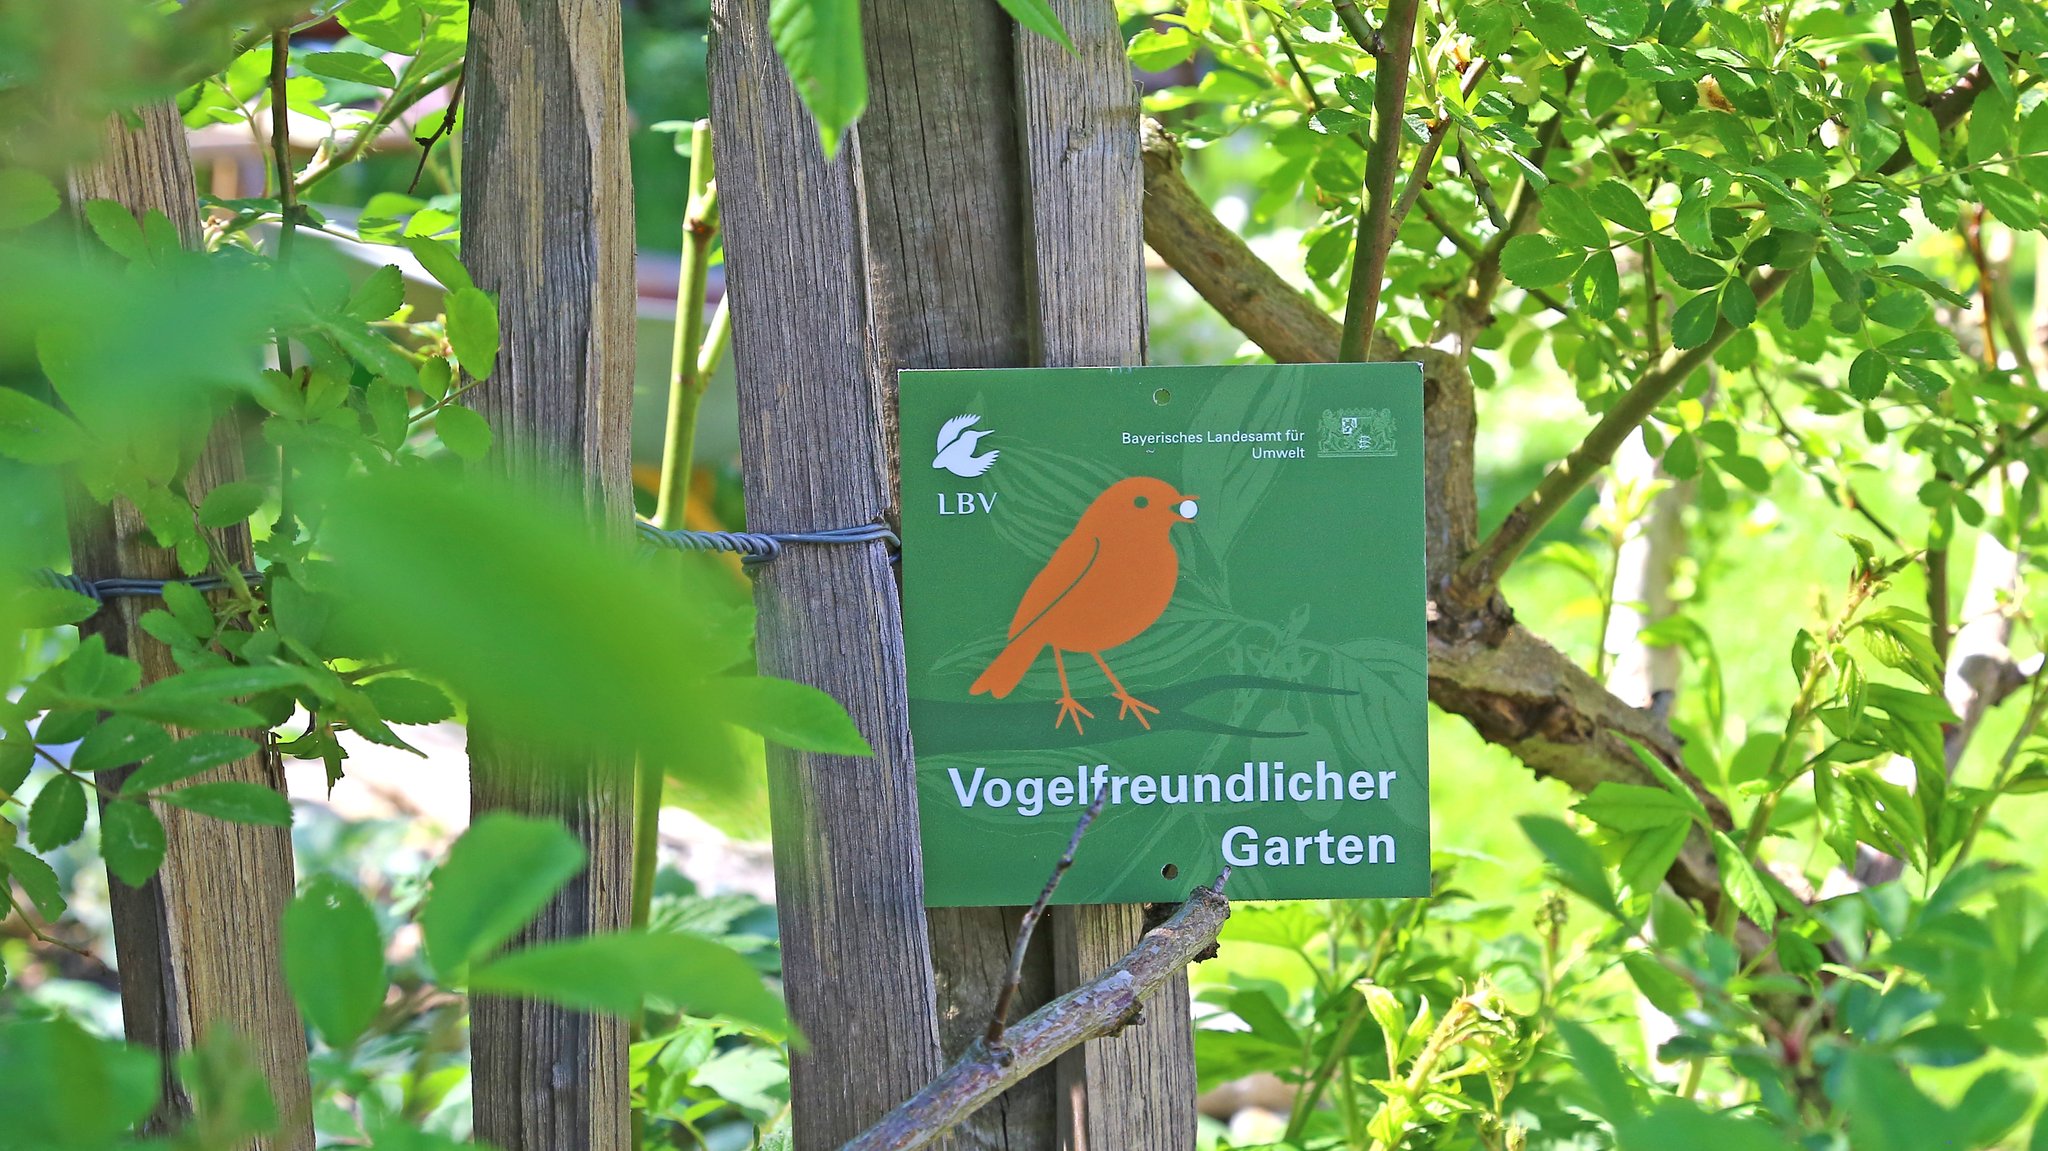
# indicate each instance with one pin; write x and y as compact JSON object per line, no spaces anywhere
{"x":197,"y":945}
{"x":950,"y":281}
{"x":1084,"y":179}
{"x":856,"y":952}
{"x":547,"y":224}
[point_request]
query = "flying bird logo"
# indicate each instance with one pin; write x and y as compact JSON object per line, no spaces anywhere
{"x":956,"y":448}
{"x":1109,"y":581}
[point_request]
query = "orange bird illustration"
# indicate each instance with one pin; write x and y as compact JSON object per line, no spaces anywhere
{"x":1110,"y":580}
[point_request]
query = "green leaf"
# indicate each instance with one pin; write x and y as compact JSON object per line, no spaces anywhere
{"x":1616,"y":21}
{"x":37,"y":878}
{"x":439,"y":259}
{"x":498,"y":876}
{"x":132,"y":840}
{"x":58,"y":814}
{"x":25,"y":197}
{"x":820,"y":45}
{"x":1978,"y":23}
{"x":401,"y":699}
{"x":463,"y":431}
{"x":1632,"y":807}
{"x":1595,"y":1063}
{"x":355,"y":67}
{"x":1738,"y":302}
{"x":16,"y":757}
{"x":230,"y":503}
{"x":1923,"y":135}
{"x":2011,"y":201}
{"x":1867,"y":374}
{"x":1596,"y":286}
{"x":1157,"y":49}
{"x":1567,"y":216}
{"x":1537,"y":261}
{"x":1739,"y":882}
{"x":186,"y":758}
{"x":1924,"y":344}
{"x":792,"y":714}
{"x":378,"y":296}
{"x":1575,"y":862}
{"x":1694,"y":322}
{"x":234,"y":801}
{"x":1795,"y":302}
{"x":1618,"y":202}
{"x":615,"y":973}
{"x":1038,"y":17}
{"x":334,"y":959}
{"x":189,"y":606}
{"x":1686,"y":268}
{"x":1886,"y":1110}
{"x":36,"y":433}
{"x":117,"y":228}
{"x":118,"y":741}
{"x":473,"y":330}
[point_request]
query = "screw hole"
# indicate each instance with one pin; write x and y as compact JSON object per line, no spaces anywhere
{"x":1170,"y":871}
{"x":1162,"y":397}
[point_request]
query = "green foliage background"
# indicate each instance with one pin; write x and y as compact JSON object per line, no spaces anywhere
{"x":1854,"y":437}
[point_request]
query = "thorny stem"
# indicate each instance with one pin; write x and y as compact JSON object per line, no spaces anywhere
{"x":397,"y":105}
{"x":1392,"y":49}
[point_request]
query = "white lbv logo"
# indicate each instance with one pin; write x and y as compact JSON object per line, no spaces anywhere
{"x":956,"y":448}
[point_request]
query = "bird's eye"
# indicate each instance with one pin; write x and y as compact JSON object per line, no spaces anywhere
{"x":1140,"y":502}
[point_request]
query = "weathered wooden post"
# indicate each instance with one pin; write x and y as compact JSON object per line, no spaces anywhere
{"x":198,"y":945}
{"x":547,"y":224}
{"x":985,"y":213}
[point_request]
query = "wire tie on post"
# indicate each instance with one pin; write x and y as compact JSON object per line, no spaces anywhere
{"x":753,"y":548}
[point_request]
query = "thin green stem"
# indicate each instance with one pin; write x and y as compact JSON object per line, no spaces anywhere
{"x":687,"y":379}
{"x":685,"y":382}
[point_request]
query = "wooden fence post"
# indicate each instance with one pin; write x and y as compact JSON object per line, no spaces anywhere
{"x":849,"y":890}
{"x":984,"y":213}
{"x":1084,"y":186}
{"x":198,"y":945}
{"x":547,"y":224}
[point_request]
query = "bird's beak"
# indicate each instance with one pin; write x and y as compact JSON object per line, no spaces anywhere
{"x":1187,"y":507}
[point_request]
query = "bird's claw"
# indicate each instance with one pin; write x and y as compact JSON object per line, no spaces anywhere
{"x":1133,"y":706}
{"x":1070,"y":708}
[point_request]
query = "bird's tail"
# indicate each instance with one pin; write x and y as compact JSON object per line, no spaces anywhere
{"x":1008,"y":670}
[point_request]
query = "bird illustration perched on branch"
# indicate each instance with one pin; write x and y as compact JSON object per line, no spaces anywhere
{"x":1104,"y":585}
{"x":956,"y":448}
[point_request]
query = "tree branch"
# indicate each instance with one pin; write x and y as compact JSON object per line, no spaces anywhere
{"x":1909,"y":53}
{"x":1480,"y":571}
{"x":1101,"y":1007}
{"x":1222,"y":268}
{"x":1393,"y":49}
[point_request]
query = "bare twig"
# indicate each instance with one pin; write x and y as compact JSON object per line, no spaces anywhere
{"x":1101,"y":1007}
{"x":1014,"y":977}
{"x":441,"y":130}
{"x":387,"y":114}
{"x":1393,"y":49}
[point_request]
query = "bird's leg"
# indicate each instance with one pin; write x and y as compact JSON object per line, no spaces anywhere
{"x":1070,"y":708}
{"x":1132,"y":705}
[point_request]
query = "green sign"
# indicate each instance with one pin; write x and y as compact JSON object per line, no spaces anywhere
{"x":1197,"y":589}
